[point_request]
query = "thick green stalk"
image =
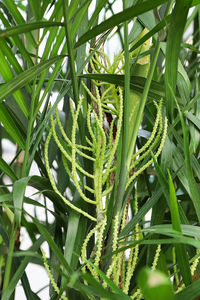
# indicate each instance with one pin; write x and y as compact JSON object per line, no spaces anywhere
{"x":125,"y":155}
{"x":120,"y":188}
{"x":125,"y":124}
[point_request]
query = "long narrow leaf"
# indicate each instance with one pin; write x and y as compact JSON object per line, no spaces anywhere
{"x":126,"y":15}
{"x":194,"y":191}
{"x":180,"y":249}
{"x":175,"y":33}
{"x":137,"y":83}
{"x":4,"y":167}
{"x":23,"y":28}
{"x":45,"y":233}
{"x":25,"y":77}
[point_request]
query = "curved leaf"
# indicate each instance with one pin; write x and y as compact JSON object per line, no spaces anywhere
{"x":137,"y":83}
{"x":25,"y":77}
{"x":125,"y":15}
{"x":23,"y":28}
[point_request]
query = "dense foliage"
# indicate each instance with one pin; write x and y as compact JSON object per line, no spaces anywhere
{"x":115,"y":140}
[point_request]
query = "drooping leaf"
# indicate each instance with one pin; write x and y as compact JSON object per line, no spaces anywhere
{"x":25,"y":77}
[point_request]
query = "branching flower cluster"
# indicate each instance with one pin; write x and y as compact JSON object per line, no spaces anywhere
{"x":100,"y":148}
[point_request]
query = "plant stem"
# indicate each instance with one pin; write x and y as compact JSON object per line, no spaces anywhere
{"x":9,"y":258}
{"x":125,"y":125}
{"x":120,"y":188}
{"x":29,"y":132}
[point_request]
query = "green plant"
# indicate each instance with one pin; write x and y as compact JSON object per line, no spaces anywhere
{"x":113,"y":139}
